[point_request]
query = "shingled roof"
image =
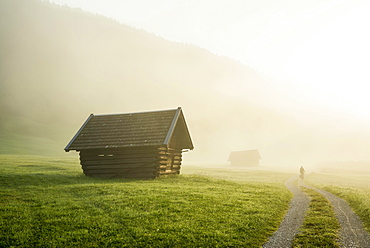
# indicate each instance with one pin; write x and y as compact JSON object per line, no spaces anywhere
{"x":131,"y":130}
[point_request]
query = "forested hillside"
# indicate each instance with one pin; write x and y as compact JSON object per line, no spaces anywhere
{"x":58,"y":65}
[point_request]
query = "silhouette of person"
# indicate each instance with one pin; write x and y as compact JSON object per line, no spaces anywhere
{"x":302,"y":171}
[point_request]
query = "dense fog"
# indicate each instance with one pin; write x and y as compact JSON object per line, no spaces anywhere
{"x":58,"y":65}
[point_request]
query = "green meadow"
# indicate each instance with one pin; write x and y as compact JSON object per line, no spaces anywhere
{"x":48,"y":202}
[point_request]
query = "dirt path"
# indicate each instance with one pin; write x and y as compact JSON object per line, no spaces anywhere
{"x":352,"y":232}
{"x":293,"y":220}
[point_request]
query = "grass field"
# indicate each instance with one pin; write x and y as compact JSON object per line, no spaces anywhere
{"x":354,"y":188}
{"x":48,"y":202}
{"x":252,"y":174}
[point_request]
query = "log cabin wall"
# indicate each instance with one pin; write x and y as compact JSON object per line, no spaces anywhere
{"x":139,"y":162}
{"x":170,"y":163}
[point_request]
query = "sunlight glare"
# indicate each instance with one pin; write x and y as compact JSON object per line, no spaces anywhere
{"x":334,"y":63}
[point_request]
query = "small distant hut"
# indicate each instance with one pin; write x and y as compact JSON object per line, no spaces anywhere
{"x":248,"y":158}
{"x":136,"y":145}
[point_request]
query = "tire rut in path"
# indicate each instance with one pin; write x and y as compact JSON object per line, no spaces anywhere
{"x":293,"y":220}
{"x":352,"y":231}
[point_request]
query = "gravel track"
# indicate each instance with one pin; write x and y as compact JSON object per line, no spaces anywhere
{"x":293,"y":220}
{"x":352,"y":232}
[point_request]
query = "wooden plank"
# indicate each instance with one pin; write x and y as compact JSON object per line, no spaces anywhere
{"x":110,"y":156}
{"x":123,"y":170}
{"x":106,"y":167}
{"x":120,"y":171}
{"x":120,"y":155}
{"x":128,"y":166}
{"x":128,"y":176}
{"x":119,"y":161}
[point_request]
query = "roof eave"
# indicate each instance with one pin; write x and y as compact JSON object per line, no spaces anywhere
{"x":172,"y":127}
{"x":78,"y":133}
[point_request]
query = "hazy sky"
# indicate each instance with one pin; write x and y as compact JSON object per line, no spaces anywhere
{"x":317,"y":51}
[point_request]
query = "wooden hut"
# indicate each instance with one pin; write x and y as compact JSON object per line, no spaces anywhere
{"x":248,"y":158}
{"x":137,"y":145}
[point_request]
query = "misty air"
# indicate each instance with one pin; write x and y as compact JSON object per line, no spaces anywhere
{"x":184,"y":123}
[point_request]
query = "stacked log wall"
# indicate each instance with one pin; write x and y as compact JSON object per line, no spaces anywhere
{"x":141,"y":162}
{"x":172,"y":156}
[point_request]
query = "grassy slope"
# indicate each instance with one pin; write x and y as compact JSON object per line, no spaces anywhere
{"x":47,"y":202}
{"x":355,"y":189}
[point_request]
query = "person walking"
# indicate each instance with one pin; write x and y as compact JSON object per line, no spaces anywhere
{"x":302,"y":171}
